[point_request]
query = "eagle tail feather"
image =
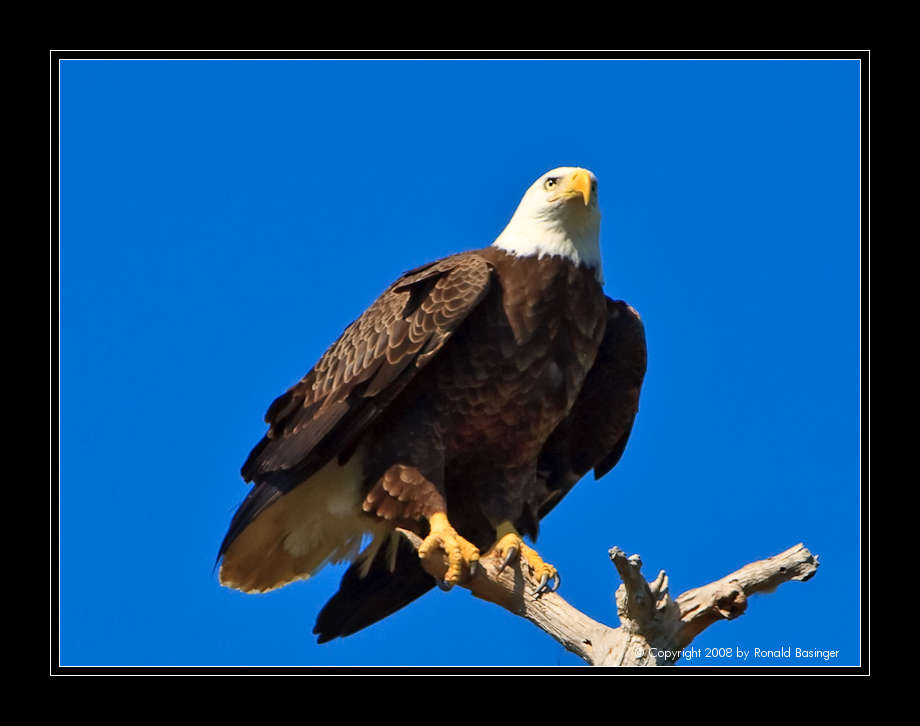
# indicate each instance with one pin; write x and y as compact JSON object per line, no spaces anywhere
{"x":372,"y":589}
{"x":278,"y":537}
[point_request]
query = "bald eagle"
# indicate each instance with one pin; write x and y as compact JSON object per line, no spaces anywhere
{"x":463,"y":404}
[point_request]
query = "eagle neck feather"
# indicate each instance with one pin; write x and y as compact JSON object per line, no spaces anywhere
{"x":550,"y":238}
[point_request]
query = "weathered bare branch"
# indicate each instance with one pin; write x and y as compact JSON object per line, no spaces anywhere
{"x":654,"y":627}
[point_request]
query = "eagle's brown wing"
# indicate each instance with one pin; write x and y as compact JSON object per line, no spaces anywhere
{"x":326,"y":412}
{"x":594,"y":434}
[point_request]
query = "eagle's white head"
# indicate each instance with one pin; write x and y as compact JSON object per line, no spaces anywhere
{"x":558,"y":215}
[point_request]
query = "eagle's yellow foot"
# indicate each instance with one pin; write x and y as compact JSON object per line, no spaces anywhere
{"x":510,"y":546}
{"x":459,"y":551}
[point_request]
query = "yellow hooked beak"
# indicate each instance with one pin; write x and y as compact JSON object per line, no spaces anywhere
{"x":578,"y":184}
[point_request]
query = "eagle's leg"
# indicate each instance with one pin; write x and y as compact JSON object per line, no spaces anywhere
{"x":405,"y":493}
{"x":510,"y":546}
{"x":460,"y":552}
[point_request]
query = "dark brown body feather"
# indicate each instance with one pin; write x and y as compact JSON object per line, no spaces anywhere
{"x":485,"y":381}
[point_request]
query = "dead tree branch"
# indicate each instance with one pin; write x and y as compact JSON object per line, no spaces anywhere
{"x":654,"y":627}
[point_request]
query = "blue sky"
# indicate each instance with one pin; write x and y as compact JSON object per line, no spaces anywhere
{"x":221,"y":222}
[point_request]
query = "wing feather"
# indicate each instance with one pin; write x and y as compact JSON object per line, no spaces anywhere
{"x":360,"y":374}
{"x":594,"y":434}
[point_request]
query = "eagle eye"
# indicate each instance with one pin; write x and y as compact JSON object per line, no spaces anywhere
{"x":550,"y":183}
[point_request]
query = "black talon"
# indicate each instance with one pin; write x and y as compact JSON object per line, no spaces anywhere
{"x":446,"y":587}
{"x":557,"y":583}
{"x":541,"y":588}
{"x":509,"y":557}
{"x":474,"y":567}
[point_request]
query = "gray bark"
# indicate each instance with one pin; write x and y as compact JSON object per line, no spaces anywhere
{"x":654,"y":627}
